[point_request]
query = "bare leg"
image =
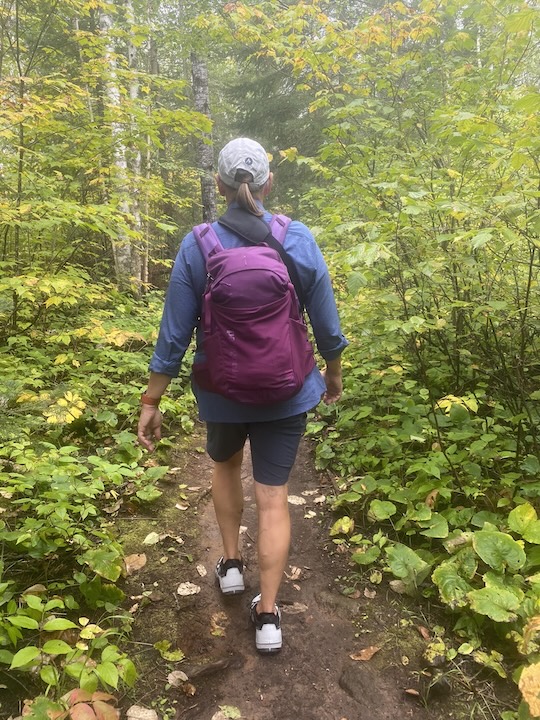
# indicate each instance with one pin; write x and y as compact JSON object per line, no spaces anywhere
{"x":274,"y":536}
{"x":228,"y":497}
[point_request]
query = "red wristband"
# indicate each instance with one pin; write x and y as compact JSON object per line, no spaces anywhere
{"x":147,"y":400}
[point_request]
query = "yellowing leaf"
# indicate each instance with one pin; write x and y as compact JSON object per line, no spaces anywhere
{"x":365,"y":654}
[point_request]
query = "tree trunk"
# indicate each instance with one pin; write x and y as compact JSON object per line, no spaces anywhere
{"x":205,"y":161}
{"x":122,"y":247}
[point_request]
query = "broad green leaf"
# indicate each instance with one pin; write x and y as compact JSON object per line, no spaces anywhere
{"x":22,"y":621}
{"x":407,"y":565}
{"x":452,"y":587}
{"x":105,"y":562}
{"x":496,"y":603}
{"x":58,"y":624}
{"x":381,"y":510}
{"x":6,"y":657}
{"x":49,"y":675}
{"x":499,"y":550}
{"x":366,"y":556}
{"x":532,"y":533}
{"x":437,"y":527}
{"x":128,"y":672}
{"x":24,"y":656}
{"x":521,"y":517}
{"x":56,"y":647}
{"x":107,"y":673}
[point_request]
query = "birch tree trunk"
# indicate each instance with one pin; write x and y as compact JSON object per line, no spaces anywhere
{"x":205,"y":161}
{"x":123,"y":251}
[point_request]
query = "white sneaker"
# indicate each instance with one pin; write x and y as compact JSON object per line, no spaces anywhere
{"x":268,"y":637}
{"x":230,"y":575}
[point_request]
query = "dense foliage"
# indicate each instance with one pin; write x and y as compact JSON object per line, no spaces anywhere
{"x":407,"y":136}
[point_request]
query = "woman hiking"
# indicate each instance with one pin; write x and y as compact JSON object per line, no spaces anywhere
{"x":274,"y":427}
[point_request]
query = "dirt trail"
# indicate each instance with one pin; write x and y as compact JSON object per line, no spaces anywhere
{"x":313,"y":678}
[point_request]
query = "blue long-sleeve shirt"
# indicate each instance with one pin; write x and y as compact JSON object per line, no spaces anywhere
{"x":182,"y":311}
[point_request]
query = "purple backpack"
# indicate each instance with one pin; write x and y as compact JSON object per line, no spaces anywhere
{"x":255,"y":339}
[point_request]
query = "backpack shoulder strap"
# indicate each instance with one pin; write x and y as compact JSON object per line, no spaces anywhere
{"x":207,"y":240}
{"x":255,"y":231}
{"x":279,"y":224}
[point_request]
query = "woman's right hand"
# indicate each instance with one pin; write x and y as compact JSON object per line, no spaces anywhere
{"x":149,"y":427}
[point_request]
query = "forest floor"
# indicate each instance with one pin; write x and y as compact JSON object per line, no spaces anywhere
{"x":343,"y":657}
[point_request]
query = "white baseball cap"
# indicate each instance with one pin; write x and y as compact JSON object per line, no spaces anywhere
{"x":243,"y":154}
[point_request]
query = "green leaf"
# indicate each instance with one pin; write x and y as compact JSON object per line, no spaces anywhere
{"x":24,"y":656}
{"x":437,"y":527}
{"x":6,"y":657}
{"x":499,"y":550}
{"x":58,"y":624}
{"x":366,"y":556}
{"x":343,"y":526}
{"x":532,"y":533}
{"x":453,"y":588}
{"x":407,"y":565}
{"x":496,"y":603}
{"x":49,"y":675}
{"x":381,"y":510}
{"x":56,"y":647}
{"x":128,"y":672}
{"x":105,"y":562}
{"x":23,"y":621}
{"x":107,"y":673}
{"x":521,"y":517}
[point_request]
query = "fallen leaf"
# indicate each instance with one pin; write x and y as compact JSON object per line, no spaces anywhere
{"x":294,"y":609}
{"x":398,"y":586}
{"x":133,"y":609}
{"x":365,"y":654}
{"x":218,"y":623}
{"x":188,"y":588}
{"x":182,"y":506}
{"x":310,"y":514}
{"x":35,"y":590}
{"x":163,"y":559}
{"x":310,"y":492}
{"x":203,"y":572}
{"x":296,"y":573}
{"x":296,"y":500}
{"x":189,"y":689}
{"x":319,"y":500}
{"x":424,"y":632}
{"x":151,"y":539}
{"x":177,"y":678}
{"x":136,"y":712}
{"x":431,"y":498}
{"x":370,"y":594}
{"x":412,"y":691}
{"x":111,"y":509}
{"x":135,"y":562}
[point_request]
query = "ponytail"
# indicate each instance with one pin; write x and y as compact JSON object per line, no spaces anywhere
{"x":243,"y":195}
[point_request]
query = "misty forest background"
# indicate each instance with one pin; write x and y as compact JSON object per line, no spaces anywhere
{"x":406,"y":135}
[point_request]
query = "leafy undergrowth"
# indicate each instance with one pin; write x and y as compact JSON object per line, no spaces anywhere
{"x":72,"y":368}
{"x":438,"y":494}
